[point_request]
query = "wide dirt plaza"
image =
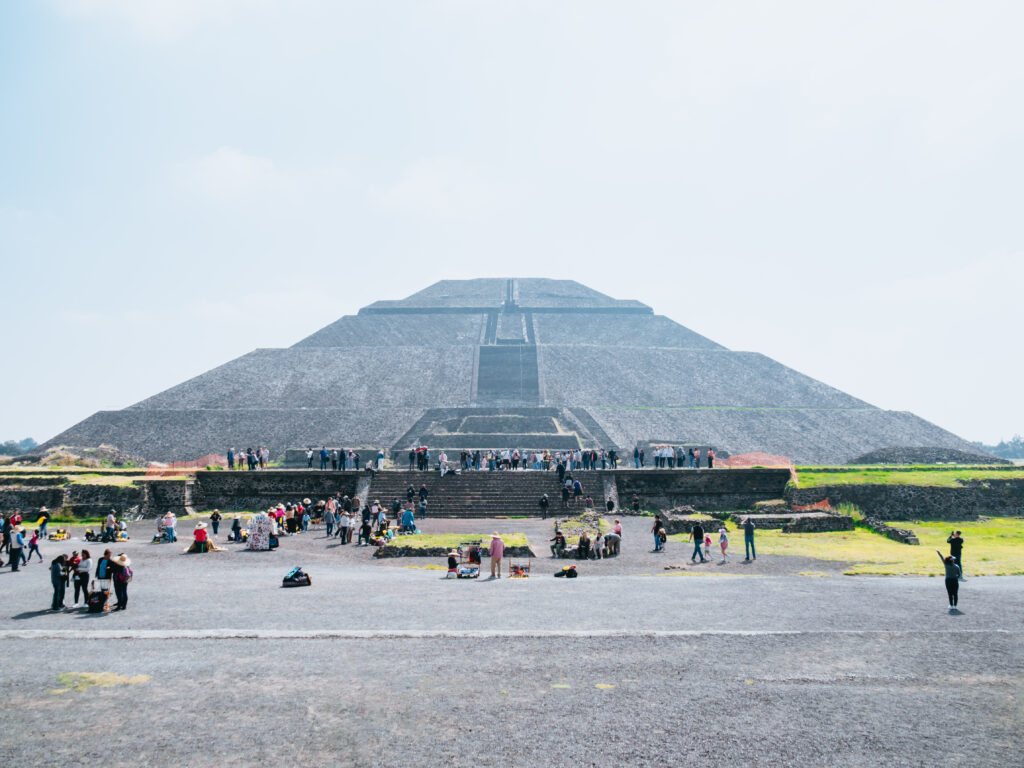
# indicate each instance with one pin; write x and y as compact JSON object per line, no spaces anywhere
{"x":785,"y":661}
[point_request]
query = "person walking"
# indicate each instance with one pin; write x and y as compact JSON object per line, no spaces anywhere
{"x":723,"y":542}
{"x":656,"y":530}
{"x":697,"y":536}
{"x":57,"y":582}
{"x":81,"y":576}
{"x":956,"y":549}
{"x":33,"y":546}
{"x":497,"y":552}
{"x":17,"y":546}
{"x":121,"y":571}
{"x":748,"y":539}
{"x":953,"y":574}
{"x":215,"y":518}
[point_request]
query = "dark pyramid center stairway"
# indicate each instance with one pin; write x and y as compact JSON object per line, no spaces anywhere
{"x":507,"y":373}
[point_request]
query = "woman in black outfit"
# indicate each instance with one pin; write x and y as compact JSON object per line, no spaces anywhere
{"x":952,"y":579}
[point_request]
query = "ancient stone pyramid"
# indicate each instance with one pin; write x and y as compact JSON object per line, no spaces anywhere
{"x":488,"y":363}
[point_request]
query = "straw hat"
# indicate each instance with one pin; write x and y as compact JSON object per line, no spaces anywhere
{"x":200,"y":525}
{"x":19,"y":528}
{"x":495,"y":536}
{"x":306,"y":501}
{"x":43,"y":509}
{"x":453,"y":553}
{"x":122,"y":560}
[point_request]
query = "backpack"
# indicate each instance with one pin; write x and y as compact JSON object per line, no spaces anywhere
{"x":125,"y":575}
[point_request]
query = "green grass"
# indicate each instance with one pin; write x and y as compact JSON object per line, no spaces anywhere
{"x":938,"y":477}
{"x":991,"y":548}
{"x":453,"y":540}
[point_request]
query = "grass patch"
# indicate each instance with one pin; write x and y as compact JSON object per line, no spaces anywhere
{"x":935,"y":477}
{"x":991,"y":548}
{"x":82,"y":681}
{"x":453,"y":540}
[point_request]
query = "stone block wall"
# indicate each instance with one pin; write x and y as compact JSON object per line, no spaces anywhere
{"x":913,"y":502}
{"x":702,"y":489}
{"x":251,"y":491}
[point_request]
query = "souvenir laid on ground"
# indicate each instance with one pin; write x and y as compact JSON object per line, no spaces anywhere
{"x":60,"y":534}
{"x":568,"y":572}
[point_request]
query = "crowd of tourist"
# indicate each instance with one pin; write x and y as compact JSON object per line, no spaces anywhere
{"x":250,"y":459}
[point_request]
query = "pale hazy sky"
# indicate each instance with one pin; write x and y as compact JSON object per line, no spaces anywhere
{"x":836,"y":185}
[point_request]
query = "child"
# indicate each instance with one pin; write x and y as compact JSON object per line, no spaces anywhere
{"x":33,"y":546}
{"x":305,"y":521}
{"x":707,"y":545}
{"x":598,"y":547}
{"x":453,"y":565}
{"x":723,"y":542}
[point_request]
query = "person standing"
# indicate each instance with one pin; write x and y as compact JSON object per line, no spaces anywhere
{"x":57,"y":582}
{"x":544,"y":504}
{"x":170,"y":524}
{"x":956,"y":549}
{"x":81,"y":576}
{"x":497,"y":552}
{"x":103,"y":572}
{"x":723,"y":542}
{"x":231,"y":458}
{"x":748,"y":539}
{"x":323,"y":458}
{"x":44,"y":521}
{"x":953,"y":574}
{"x":697,"y":536}
{"x":636,"y":457}
{"x":215,"y":518}
{"x":309,"y":458}
{"x":711,"y":458}
{"x":17,"y":545}
{"x":121,"y":573}
{"x":110,"y":526}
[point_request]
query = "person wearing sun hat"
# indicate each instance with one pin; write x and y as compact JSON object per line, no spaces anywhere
{"x":453,"y":564}
{"x":121,"y":573}
{"x":497,"y":552}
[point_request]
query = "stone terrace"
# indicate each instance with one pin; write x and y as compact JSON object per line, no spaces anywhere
{"x":601,"y":329}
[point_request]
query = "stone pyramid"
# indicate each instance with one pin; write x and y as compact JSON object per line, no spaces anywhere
{"x":492,"y":363}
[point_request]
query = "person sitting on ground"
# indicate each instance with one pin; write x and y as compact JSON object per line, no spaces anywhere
{"x":583,"y":547}
{"x":588,"y":502}
{"x":408,"y":521}
{"x":598,"y":548}
{"x":558,"y":545}
{"x":635,"y":505}
{"x":201,"y":541}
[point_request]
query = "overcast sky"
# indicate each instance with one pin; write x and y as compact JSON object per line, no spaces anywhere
{"x":836,"y":185}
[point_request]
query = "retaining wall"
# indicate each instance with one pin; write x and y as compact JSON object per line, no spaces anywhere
{"x":258,"y":490}
{"x":914,"y":502}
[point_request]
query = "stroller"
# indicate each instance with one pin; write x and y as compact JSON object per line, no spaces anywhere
{"x":296,"y":577}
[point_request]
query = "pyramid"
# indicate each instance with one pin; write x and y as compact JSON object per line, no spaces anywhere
{"x":493,"y":363}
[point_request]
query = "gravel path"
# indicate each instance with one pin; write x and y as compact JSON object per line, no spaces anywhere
{"x":384,"y":663}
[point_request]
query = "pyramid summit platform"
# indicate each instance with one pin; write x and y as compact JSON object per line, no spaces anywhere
{"x":492,"y":363}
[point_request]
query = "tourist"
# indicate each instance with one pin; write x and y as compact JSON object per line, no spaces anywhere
{"x":5,"y":520}
{"x":324,"y":456}
{"x":110,"y":526}
{"x":748,"y":539}
{"x":453,"y":565}
{"x":215,"y":521}
{"x":697,"y":537}
{"x":696,"y":457}
{"x":636,"y":457}
{"x":707,"y":545}
{"x":44,"y":521}
{"x":598,"y":547}
{"x":231,"y":458}
{"x":329,"y":518}
{"x":364,"y":531}
{"x":612,"y":540}
{"x":635,"y":503}
{"x":170,"y":523}
{"x":689,"y":453}
{"x":81,"y":577}
{"x":583,"y":546}
{"x":103,"y":571}
{"x":121,"y":573}
{"x":711,"y":458}
{"x":334,"y":459}
{"x":497,"y":551}
{"x":236,"y":528}
{"x":380,"y":460}
{"x":558,"y":544}
{"x":956,"y":549}
{"x":33,"y":546}
{"x":422,"y":508}
{"x":723,"y":542}
{"x":408,"y":521}
{"x":544,"y":504}
{"x":305,"y":520}
{"x":953,"y":574}
{"x":17,"y":545}
{"x":577,"y":491}
{"x":57,"y":582}
{"x":344,"y":521}
{"x":588,"y":502}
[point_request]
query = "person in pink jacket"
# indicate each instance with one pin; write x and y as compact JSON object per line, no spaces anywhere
{"x":497,"y":551}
